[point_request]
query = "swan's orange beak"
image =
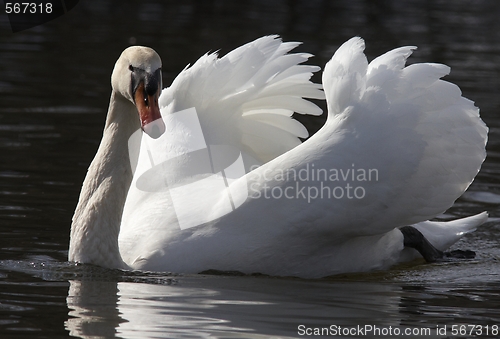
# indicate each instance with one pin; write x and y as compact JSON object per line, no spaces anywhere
{"x":149,"y":112}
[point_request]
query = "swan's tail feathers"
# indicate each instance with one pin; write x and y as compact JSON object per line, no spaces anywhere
{"x":246,"y":98}
{"x":443,"y":234}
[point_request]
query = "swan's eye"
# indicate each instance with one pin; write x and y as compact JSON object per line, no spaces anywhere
{"x":146,"y":101}
{"x":131,"y":68}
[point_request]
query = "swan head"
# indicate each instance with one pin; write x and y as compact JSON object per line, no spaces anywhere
{"x":137,"y":77}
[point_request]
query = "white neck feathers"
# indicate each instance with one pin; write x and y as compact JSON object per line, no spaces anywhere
{"x":97,"y":219}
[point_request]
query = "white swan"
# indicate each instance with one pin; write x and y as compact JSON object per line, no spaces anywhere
{"x":422,"y":141}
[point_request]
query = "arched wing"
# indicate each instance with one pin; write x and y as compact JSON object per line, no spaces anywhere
{"x":399,"y":147}
{"x":246,"y":98}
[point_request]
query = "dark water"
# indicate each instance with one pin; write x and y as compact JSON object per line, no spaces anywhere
{"x":54,"y":91}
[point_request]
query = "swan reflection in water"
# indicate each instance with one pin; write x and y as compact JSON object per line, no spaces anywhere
{"x":200,"y":306}
{"x":228,"y":307}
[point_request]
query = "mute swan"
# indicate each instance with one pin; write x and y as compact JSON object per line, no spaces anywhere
{"x":398,"y":148}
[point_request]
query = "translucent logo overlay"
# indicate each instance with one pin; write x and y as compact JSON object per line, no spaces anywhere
{"x":204,"y":181}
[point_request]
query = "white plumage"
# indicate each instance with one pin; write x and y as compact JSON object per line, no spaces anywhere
{"x":399,"y":143}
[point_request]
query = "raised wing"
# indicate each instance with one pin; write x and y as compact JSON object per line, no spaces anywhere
{"x":399,"y":147}
{"x":246,"y":98}
{"x":427,"y":136}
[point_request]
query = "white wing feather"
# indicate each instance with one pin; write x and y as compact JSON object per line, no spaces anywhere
{"x":240,"y":98}
{"x":425,"y":140}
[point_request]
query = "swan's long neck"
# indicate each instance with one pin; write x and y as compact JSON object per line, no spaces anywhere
{"x":97,"y":218}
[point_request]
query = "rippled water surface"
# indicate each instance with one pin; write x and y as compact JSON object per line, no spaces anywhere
{"x":54,"y":92}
